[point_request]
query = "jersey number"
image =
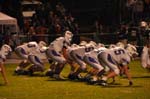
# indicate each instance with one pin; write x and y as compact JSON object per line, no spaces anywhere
{"x":88,"y":49}
{"x":118,"y":52}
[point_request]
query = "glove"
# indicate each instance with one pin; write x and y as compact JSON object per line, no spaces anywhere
{"x":130,"y":83}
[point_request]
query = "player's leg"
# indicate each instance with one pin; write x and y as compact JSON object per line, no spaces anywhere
{"x":127,"y":73}
{"x":79,"y":60}
{"x":3,"y":72}
{"x":108,"y":60}
{"x":57,"y":57}
{"x":73,"y":67}
{"x":93,"y":62}
{"x":51,"y":69}
{"x":37,"y":64}
{"x":23,"y":64}
{"x":98,"y":69}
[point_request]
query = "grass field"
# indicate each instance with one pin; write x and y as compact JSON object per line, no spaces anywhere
{"x":40,"y":87}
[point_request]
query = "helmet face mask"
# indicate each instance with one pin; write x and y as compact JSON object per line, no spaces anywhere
{"x":82,"y":43}
{"x":74,"y":45}
{"x":100,"y":45}
{"x":120,"y":44}
{"x":6,"y":49}
{"x":132,"y":51}
{"x":92,"y":43}
{"x":112,"y":46}
{"x":42,"y":44}
{"x":68,"y":36}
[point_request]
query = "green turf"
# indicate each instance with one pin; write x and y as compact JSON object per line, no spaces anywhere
{"x":38,"y":87}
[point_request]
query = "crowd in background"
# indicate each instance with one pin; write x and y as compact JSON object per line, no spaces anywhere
{"x":48,"y":20}
{"x":52,"y":18}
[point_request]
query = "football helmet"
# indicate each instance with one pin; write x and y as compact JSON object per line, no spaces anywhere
{"x":83,"y":43}
{"x":6,"y":49}
{"x":68,"y":36}
{"x":42,"y":44}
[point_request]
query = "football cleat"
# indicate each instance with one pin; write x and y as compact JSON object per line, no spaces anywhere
{"x":92,"y":80}
{"x":130,"y":83}
{"x":74,"y":77}
{"x":30,"y":73}
{"x":103,"y":83}
{"x":58,"y":77}
{"x":79,"y":77}
{"x":49,"y":73}
{"x":21,"y":72}
{"x":71,"y":77}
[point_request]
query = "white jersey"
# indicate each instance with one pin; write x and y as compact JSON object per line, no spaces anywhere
{"x":59,"y":44}
{"x":145,"y":57}
{"x":119,"y":55}
{"x":92,"y":58}
{"x":80,"y":51}
{"x":78,"y":55}
{"x":69,"y":50}
{"x":39,"y":52}
{"x":28,"y":47}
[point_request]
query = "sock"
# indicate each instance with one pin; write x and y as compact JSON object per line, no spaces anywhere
{"x":49,"y":69}
{"x":104,"y":78}
{"x":18,"y":68}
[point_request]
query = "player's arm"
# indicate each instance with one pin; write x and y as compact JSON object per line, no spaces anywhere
{"x":126,"y":71}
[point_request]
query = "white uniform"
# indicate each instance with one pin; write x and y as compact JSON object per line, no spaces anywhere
{"x":114,"y":57}
{"x":5,"y":50}
{"x":69,"y":50}
{"x":92,"y":59}
{"x":145,"y":57}
{"x":78,"y":54}
{"x":30,"y":52}
{"x":36,"y":58}
{"x":24,"y":50}
{"x":55,"y":49}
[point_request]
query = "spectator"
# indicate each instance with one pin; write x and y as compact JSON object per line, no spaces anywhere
{"x":123,"y":32}
{"x":31,"y":34}
{"x":40,"y":31}
{"x":7,"y":34}
{"x":145,"y":56}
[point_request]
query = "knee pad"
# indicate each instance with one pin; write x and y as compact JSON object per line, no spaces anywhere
{"x":83,"y":67}
{"x":100,"y":68}
{"x":63,"y":61}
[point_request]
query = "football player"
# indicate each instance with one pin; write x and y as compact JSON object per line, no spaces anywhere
{"x":5,"y":50}
{"x":23,"y":51}
{"x":36,"y":58}
{"x":57,"y":53}
{"x":70,"y":60}
{"x":114,"y":58}
{"x":91,"y":59}
{"x":78,"y":56}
